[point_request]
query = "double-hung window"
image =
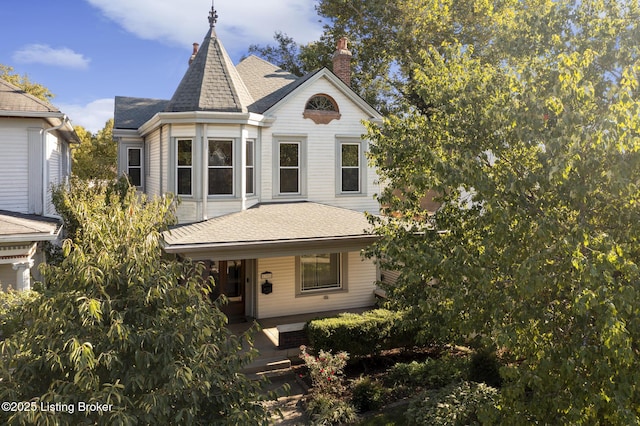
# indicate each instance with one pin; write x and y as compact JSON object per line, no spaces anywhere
{"x":220,"y":167}
{"x":134,"y":166}
{"x":250,"y":169}
{"x":320,"y":272}
{"x":289,"y":167}
{"x":184,"y":175}
{"x":350,"y":168}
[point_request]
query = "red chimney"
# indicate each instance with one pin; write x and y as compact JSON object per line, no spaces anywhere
{"x":342,"y":62}
{"x":195,"y":51}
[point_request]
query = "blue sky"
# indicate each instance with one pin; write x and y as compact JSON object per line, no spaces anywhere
{"x":89,"y":51}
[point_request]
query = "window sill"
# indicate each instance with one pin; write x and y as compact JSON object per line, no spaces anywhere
{"x":320,"y":292}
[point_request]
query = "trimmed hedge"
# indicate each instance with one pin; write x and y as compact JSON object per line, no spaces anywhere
{"x":359,"y":334}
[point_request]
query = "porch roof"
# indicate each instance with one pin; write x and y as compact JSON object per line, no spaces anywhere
{"x":17,"y":227}
{"x":269,"y":230}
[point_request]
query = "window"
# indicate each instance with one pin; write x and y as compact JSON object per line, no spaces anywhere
{"x":134,"y":166}
{"x":184,"y":166}
{"x":350,"y":167}
{"x":321,"y":103}
{"x":250,"y":168}
{"x":220,"y":167}
{"x":322,"y":109}
{"x":289,"y":167}
{"x":320,"y":271}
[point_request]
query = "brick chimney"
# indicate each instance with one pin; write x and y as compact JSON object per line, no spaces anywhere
{"x":195,"y":51}
{"x":342,"y":62}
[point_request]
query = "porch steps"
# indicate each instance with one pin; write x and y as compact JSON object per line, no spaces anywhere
{"x":262,"y":365}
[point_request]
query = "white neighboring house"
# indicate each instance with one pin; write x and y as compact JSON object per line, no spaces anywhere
{"x":272,"y":174}
{"x":35,"y":140}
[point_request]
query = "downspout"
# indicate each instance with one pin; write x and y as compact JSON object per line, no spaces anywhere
{"x":161,"y":158}
{"x":45,"y":169}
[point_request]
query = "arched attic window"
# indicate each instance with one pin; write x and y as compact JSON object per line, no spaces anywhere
{"x":322,"y":109}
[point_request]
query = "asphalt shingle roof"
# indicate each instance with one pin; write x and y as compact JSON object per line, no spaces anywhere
{"x":17,"y":224}
{"x":14,"y":99}
{"x":273,"y":222}
{"x":131,"y":113}
{"x":211,"y":82}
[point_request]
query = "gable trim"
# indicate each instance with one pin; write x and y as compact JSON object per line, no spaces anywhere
{"x":339,"y":84}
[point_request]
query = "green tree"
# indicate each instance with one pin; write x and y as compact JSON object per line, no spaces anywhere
{"x":97,"y":155}
{"x":532,"y":141}
{"x":23,"y":82}
{"x":124,"y":325}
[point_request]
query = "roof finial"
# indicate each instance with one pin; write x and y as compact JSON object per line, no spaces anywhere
{"x":213,"y":16}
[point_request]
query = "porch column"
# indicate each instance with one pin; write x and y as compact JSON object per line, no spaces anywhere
{"x":23,"y":275}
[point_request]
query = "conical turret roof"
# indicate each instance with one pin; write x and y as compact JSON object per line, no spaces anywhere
{"x":212,"y":82}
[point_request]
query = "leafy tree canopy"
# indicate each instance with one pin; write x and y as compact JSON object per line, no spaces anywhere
{"x":23,"y":82}
{"x":525,"y":118}
{"x":97,"y":155}
{"x":122,"y":324}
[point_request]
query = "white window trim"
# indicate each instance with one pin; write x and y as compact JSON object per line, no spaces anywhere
{"x":343,"y":273}
{"x":362,"y":175}
{"x":234,"y":162}
{"x":178,"y":166}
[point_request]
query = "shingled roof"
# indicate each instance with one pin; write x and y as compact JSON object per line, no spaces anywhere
{"x":19,"y":227}
{"x":211,"y":83}
{"x":274,"y":223}
{"x":14,"y":99}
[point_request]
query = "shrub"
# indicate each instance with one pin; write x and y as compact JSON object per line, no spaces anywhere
{"x":329,"y":410}
{"x":431,"y":373}
{"x":326,"y":370}
{"x":367,"y":394}
{"x":456,"y":404}
{"x":485,"y":368}
{"x":358,"y":334}
{"x":122,"y":323}
{"x":11,"y":303}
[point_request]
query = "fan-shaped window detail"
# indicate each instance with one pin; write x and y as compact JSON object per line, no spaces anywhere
{"x":322,"y":109}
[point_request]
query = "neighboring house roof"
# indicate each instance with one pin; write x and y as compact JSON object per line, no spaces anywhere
{"x":15,"y":102}
{"x":267,"y":225}
{"x":211,"y":82}
{"x":17,"y":227}
{"x":131,"y":113}
{"x":12,"y":98}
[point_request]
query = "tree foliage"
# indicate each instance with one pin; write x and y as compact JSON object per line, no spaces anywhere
{"x":96,"y":157}
{"x":527,"y":125}
{"x":23,"y":82}
{"x":122,"y":324}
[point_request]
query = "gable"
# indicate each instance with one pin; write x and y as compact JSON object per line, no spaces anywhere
{"x":324,"y":81}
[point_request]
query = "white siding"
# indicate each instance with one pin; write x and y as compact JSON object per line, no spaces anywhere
{"x":321,"y":140}
{"x":152,"y":172}
{"x":54,"y":169}
{"x":360,"y":283}
{"x":14,"y":167}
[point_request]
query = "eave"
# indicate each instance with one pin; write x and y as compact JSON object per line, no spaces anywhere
{"x":274,"y":248}
{"x":200,"y":117}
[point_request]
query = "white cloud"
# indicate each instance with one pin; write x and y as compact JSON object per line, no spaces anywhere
{"x":44,"y":54}
{"x":91,"y":116}
{"x":240,"y":23}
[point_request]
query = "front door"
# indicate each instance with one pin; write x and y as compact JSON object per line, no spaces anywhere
{"x":229,"y":278}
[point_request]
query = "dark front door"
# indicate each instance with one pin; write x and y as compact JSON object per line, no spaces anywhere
{"x":229,"y":278}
